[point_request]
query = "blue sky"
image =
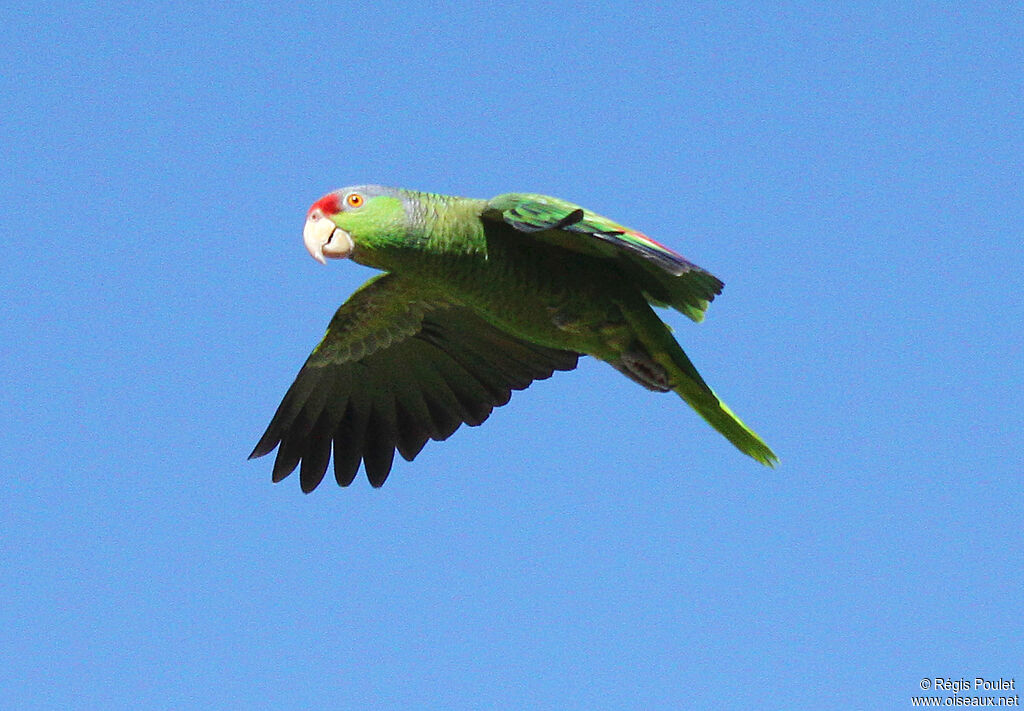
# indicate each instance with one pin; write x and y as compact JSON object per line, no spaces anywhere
{"x":853,"y":175}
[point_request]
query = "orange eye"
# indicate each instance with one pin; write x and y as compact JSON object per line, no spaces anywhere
{"x":354,"y":200}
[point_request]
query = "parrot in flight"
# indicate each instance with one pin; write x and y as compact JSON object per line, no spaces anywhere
{"x":478,"y":298}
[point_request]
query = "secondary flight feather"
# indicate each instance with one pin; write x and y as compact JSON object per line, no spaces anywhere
{"x":479,"y":298}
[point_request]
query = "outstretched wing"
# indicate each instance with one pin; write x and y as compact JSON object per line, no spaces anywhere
{"x":397,"y":367}
{"x":667,"y":278}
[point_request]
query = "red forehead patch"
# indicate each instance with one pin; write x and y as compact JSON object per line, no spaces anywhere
{"x":328,"y":205}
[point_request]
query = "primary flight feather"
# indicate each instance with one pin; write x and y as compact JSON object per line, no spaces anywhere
{"x":479,"y":298}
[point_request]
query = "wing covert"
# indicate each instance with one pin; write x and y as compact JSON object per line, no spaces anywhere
{"x":667,"y":278}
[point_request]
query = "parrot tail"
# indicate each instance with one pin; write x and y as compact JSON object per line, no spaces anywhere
{"x":683,"y":378}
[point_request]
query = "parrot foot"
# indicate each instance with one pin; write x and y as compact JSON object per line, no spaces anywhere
{"x":637,"y":365}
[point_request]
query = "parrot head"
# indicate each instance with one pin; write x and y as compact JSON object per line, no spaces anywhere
{"x":348,"y":219}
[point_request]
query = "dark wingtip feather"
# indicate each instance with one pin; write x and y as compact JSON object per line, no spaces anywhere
{"x":377,"y":461}
{"x":348,"y":439}
{"x":316,"y":457}
{"x":312,"y":472}
{"x":287,"y":459}
{"x":411,"y":431}
{"x":265,"y":446}
{"x":346,"y":463}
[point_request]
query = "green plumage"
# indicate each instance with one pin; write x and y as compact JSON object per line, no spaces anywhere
{"x":481,"y":298}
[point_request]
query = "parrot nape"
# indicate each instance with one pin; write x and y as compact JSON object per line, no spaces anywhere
{"x":478,"y":298}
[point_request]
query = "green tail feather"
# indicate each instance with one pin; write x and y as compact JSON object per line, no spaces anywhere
{"x":719,"y":416}
{"x":656,"y":337}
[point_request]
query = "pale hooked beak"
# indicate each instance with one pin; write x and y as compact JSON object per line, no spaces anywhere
{"x":323,"y":239}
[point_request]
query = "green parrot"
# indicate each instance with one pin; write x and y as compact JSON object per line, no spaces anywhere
{"x":478,"y":298}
